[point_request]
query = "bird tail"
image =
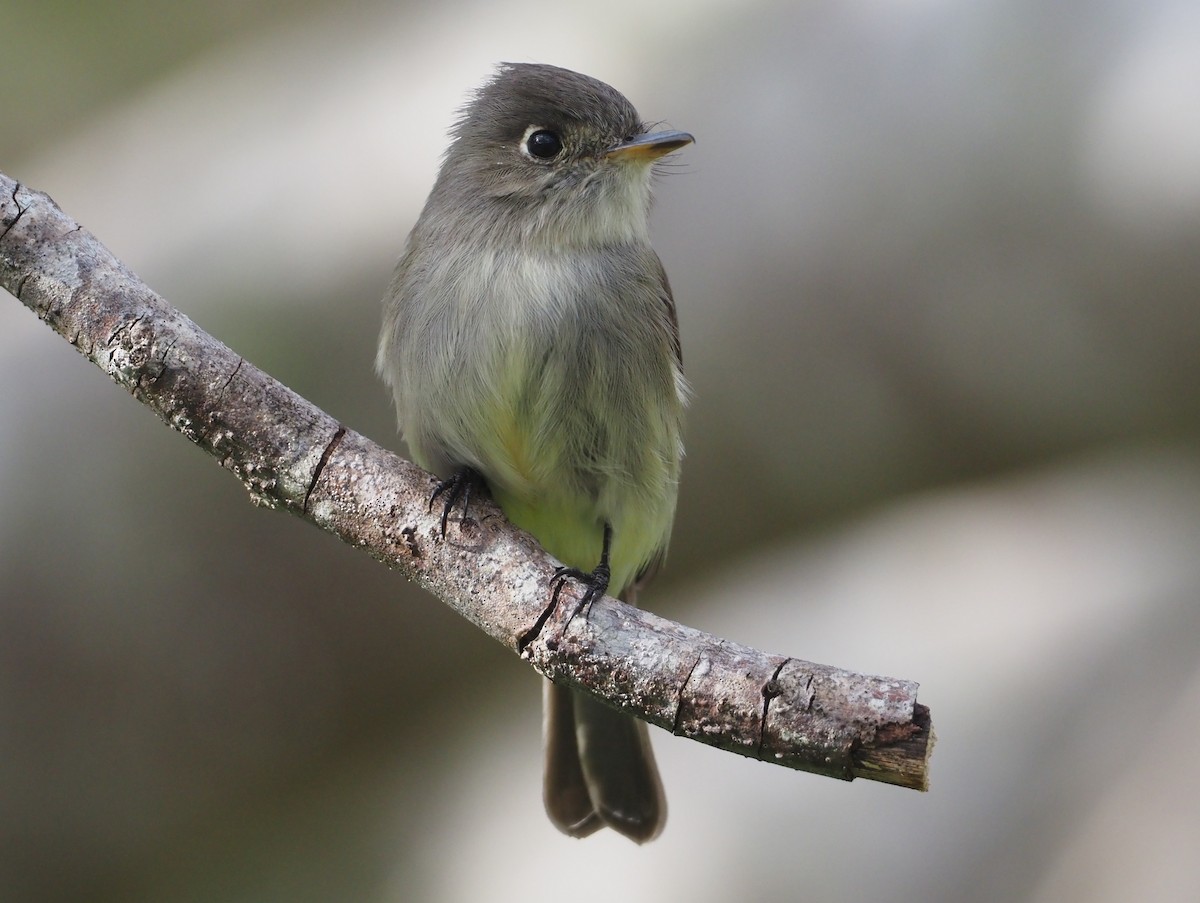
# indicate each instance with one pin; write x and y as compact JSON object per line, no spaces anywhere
{"x":599,"y":768}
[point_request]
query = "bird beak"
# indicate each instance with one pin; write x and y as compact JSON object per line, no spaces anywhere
{"x":648,"y":148}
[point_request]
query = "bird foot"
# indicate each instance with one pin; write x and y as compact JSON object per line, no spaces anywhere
{"x":458,"y":487}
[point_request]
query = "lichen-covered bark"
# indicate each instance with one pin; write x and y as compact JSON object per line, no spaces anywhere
{"x":291,"y":455}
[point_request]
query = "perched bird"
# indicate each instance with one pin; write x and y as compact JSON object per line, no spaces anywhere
{"x":531,"y":343}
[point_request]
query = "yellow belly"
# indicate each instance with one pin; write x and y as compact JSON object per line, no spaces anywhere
{"x":570,"y":530}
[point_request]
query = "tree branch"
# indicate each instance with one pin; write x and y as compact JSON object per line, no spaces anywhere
{"x":291,"y":455}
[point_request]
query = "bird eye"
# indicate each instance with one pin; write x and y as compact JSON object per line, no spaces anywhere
{"x":543,"y":144}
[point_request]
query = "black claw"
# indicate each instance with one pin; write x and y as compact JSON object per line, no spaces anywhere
{"x":459,"y":486}
{"x":595,"y":583}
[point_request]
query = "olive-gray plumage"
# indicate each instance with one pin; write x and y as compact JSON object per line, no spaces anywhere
{"x":530,"y":338}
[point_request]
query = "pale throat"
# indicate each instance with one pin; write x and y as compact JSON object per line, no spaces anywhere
{"x":613,"y":212}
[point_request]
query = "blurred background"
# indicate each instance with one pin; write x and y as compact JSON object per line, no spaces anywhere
{"x":938,"y":270}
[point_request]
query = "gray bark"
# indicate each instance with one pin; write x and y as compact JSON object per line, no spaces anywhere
{"x":291,"y":455}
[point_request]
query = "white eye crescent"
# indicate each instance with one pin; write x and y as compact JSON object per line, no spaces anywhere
{"x":541,"y":143}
